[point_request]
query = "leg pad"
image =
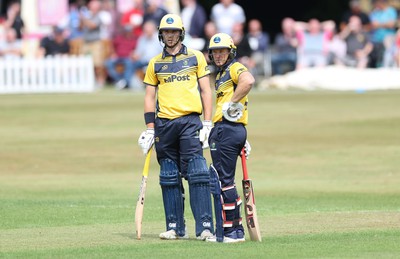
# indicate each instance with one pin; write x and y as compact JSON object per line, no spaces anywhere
{"x":172,"y":191}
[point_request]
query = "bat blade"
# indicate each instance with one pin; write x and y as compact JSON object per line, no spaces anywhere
{"x":250,"y":203}
{"x":141,"y":198}
{"x":251,"y":211}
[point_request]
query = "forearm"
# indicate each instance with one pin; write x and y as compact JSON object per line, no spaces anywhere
{"x":207,"y":106}
{"x":149,"y":104}
{"x":206,"y":97}
{"x":246,"y":81}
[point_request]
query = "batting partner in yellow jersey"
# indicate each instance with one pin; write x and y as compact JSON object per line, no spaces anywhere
{"x":229,"y":134}
{"x":177,"y":92}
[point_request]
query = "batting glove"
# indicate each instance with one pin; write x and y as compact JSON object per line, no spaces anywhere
{"x":232,"y":111}
{"x":247,"y":150}
{"x":146,"y":140}
{"x":205,"y":133}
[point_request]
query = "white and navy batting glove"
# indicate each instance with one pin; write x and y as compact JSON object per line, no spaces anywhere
{"x":146,"y":140}
{"x":205,"y":133}
{"x":247,"y":149}
{"x":232,"y":111}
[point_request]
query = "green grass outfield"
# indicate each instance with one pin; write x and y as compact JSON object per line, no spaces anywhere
{"x":325,"y":166}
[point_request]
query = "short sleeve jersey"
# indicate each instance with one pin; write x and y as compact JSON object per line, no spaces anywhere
{"x":225,"y":84}
{"x":176,"y":78}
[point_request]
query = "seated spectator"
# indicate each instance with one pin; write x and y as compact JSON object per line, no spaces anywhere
{"x":391,"y":54}
{"x":244,"y":50}
{"x":14,"y":19}
{"x":11,"y":47}
{"x":2,"y":29}
{"x":259,"y":44}
{"x":91,"y":23}
{"x":397,"y":48}
{"x":225,"y":14}
{"x":383,"y":24}
{"x":71,"y":23}
{"x":154,"y":10}
{"x":210,"y":29}
{"x":337,"y":50}
{"x":134,"y":17}
{"x":107,"y":29}
{"x":355,"y":9}
{"x":358,"y":45}
{"x":54,"y":44}
{"x":148,"y":46}
{"x":284,"y":56}
{"x":194,"y":17}
{"x":313,"y":38}
{"x":123,"y":45}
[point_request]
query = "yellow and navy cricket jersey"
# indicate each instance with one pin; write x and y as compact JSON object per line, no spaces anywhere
{"x":176,"y":78}
{"x":225,"y":84}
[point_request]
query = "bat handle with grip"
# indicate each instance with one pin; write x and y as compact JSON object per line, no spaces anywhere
{"x":147,"y":162}
{"x":244,"y":165}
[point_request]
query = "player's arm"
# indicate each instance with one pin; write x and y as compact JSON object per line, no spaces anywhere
{"x":150,"y":102}
{"x":245,"y":83}
{"x":206,"y":97}
{"x":151,"y":82}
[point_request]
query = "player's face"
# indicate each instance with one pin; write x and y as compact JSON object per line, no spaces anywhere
{"x":171,"y":37}
{"x":220,"y":56}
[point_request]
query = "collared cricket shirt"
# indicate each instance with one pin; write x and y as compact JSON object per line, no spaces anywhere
{"x":225,"y":84}
{"x":176,"y":78}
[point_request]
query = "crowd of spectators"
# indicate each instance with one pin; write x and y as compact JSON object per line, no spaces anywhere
{"x":122,"y":43}
{"x":360,"y":40}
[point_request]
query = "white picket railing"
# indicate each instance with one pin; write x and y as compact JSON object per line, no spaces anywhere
{"x":63,"y":74}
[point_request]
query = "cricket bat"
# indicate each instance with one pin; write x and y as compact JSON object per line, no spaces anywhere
{"x":142,"y":192}
{"x":249,"y":203}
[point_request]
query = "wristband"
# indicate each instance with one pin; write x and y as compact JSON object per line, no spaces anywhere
{"x":207,"y":123}
{"x":149,"y":117}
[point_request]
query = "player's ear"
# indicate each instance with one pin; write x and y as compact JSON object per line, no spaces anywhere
{"x":160,"y":37}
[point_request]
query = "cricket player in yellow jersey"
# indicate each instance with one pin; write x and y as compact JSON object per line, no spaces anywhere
{"x":177,"y":92}
{"x":229,"y":134}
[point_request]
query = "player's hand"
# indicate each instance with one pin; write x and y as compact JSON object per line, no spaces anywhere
{"x":205,"y":133}
{"x":146,"y":140}
{"x":247,"y":150}
{"x":232,"y":111}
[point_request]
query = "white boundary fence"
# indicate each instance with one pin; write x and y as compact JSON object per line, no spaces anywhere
{"x":64,"y":74}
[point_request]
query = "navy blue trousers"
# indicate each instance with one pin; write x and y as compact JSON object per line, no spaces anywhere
{"x":226,"y":141}
{"x":178,"y":140}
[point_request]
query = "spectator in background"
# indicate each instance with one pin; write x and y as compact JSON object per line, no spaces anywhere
{"x":114,"y":25}
{"x":210,"y":29}
{"x":336,"y":48}
{"x":259,"y":44}
{"x":54,"y":44}
{"x":154,"y":10}
{"x":123,"y":45}
{"x":284,"y":56}
{"x":91,"y":25}
{"x":358,"y":45}
{"x":244,"y":51}
{"x":383,"y":24}
{"x":11,"y":46}
{"x":397,"y":48}
{"x":72,"y":24}
{"x":314,"y":39}
{"x":194,"y":17}
{"x":226,"y":14}
{"x":134,"y":18}
{"x":258,"y":38}
{"x":14,"y":19}
{"x":148,"y":46}
{"x":391,"y":43}
{"x":108,"y":17}
{"x":355,"y":9}
{"x":2,"y":30}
